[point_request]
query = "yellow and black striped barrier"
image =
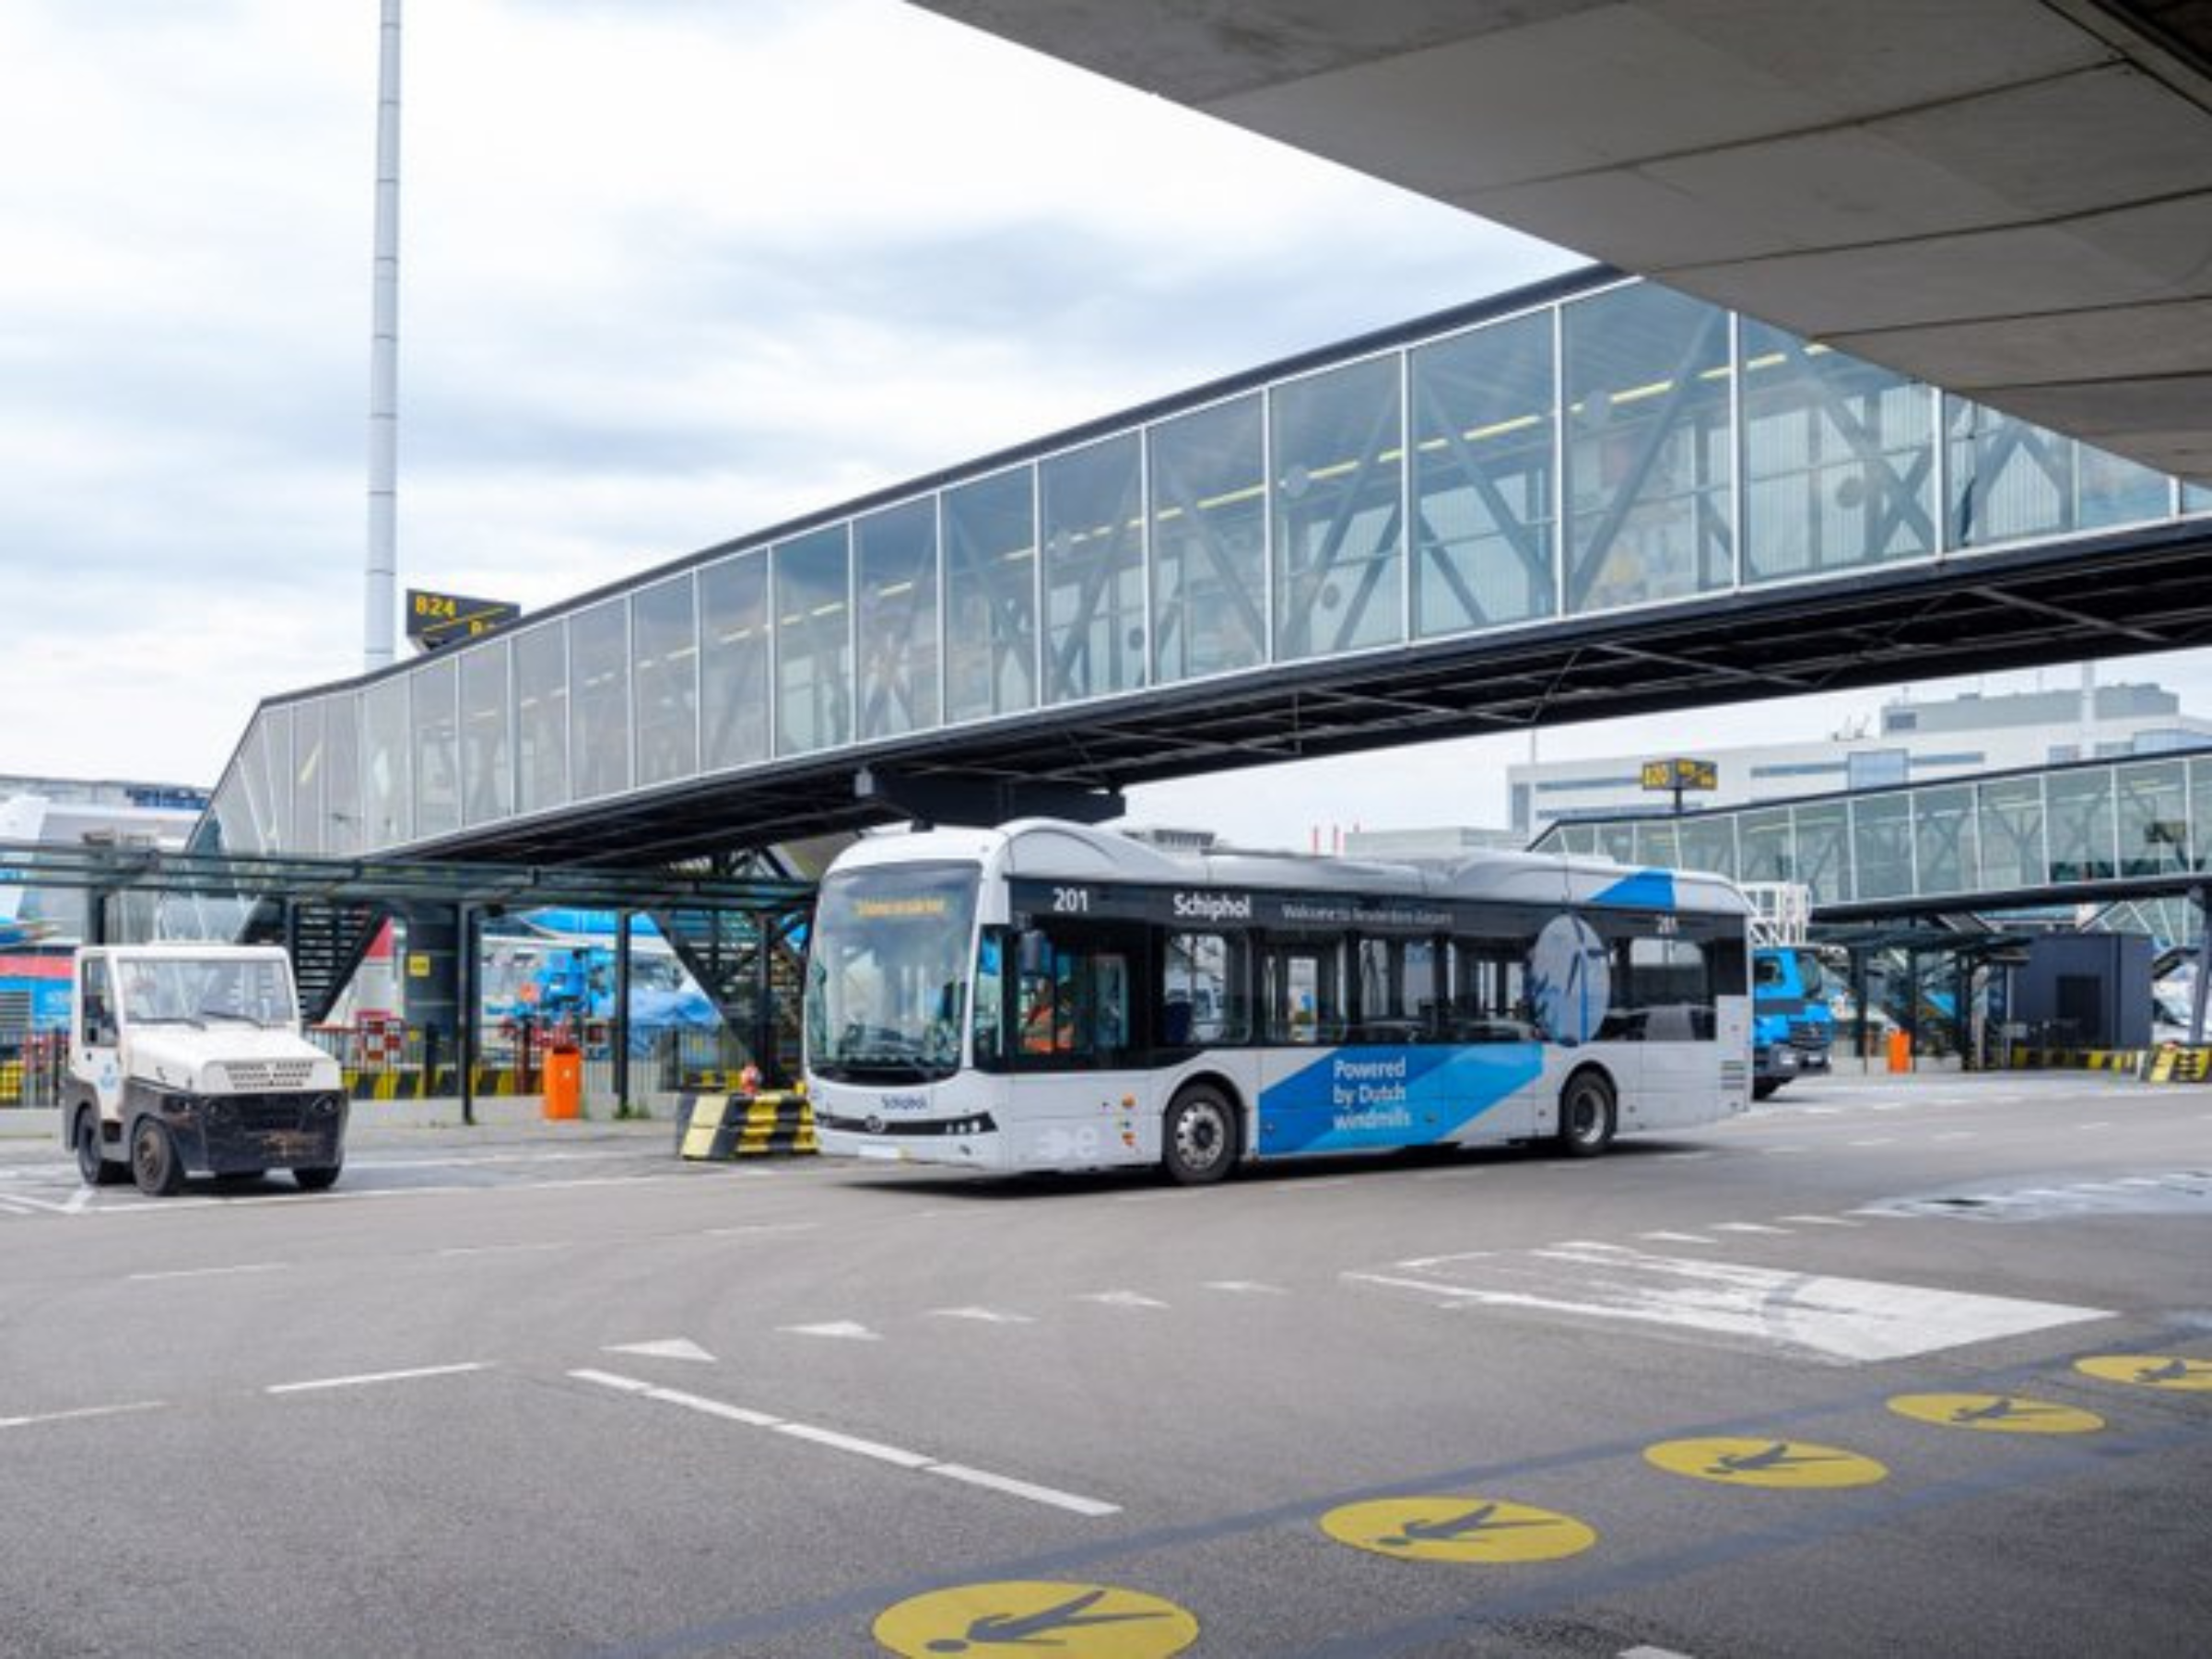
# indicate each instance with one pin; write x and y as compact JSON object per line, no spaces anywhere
{"x":412,"y":1083}
{"x":2170,"y":1063}
{"x":713,"y":1127}
{"x":2102,"y":1060}
{"x":11,"y":1082}
{"x":2175,"y":1063}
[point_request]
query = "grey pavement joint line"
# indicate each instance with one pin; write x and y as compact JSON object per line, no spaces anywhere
{"x":919,"y":1462}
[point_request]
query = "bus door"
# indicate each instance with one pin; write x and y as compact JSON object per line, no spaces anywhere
{"x":1075,"y":1002}
{"x":1669,"y":1001}
{"x":1493,"y":1021}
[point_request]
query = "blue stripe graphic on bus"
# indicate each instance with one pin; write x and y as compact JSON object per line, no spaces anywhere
{"x":1647,"y":890}
{"x":1355,"y":1098}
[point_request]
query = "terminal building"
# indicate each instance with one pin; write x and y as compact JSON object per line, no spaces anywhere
{"x":1910,"y":742}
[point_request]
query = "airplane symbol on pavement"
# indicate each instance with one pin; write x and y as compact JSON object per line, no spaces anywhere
{"x":1776,"y":1457}
{"x":2002,"y":1410}
{"x":1034,"y":1630}
{"x":1452,"y":1529}
{"x":2174,"y":1370}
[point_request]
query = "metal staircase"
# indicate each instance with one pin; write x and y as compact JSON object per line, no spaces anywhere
{"x":752,"y":966}
{"x":326,"y":941}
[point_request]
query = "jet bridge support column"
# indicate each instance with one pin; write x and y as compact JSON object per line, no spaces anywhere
{"x":431,"y":986}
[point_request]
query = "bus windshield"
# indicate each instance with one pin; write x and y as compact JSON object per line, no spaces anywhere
{"x":887,"y":977}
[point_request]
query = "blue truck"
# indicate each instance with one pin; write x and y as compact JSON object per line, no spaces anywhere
{"x":1792,"y":1029}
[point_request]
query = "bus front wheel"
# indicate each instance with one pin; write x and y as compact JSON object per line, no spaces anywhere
{"x":1198,"y":1138}
{"x":1588,"y":1115}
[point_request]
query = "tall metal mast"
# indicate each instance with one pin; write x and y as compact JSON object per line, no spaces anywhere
{"x":380,"y":599}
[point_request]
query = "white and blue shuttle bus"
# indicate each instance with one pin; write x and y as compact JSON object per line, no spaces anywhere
{"x":1050,"y":996}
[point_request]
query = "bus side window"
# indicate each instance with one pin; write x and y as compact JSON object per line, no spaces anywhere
{"x":1110,"y":1001}
{"x":1202,"y":992}
{"x":990,"y":998}
{"x":1044,"y":1012}
{"x":1302,"y":990}
{"x":1489,"y":1003}
{"x":1671,"y":989}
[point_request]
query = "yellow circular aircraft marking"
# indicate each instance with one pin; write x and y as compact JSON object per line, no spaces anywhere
{"x":2151,"y":1371}
{"x":1998,"y":1413}
{"x":1072,"y":1622}
{"x":1457,"y":1528}
{"x":1765,"y":1462}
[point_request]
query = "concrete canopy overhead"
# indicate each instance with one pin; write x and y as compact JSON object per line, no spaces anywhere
{"x":2011,"y":198}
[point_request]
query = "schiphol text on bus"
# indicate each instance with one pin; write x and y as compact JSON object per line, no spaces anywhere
{"x":1051,"y":997}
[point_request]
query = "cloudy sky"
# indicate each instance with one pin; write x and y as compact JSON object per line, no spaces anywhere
{"x":672,"y":270}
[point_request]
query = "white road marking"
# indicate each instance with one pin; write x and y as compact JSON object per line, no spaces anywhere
{"x":1651,"y":1653}
{"x":1420,"y":1264}
{"x":1816,"y":1220}
{"x":1846,"y":1321}
{"x":365,"y":1379}
{"x":757,"y":1228}
{"x":1245,"y":1288}
{"x":51,"y":1206}
{"x":1454,"y":1172}
{"x":672,"y":1348}
{"x":1123,"y":1299}
{"x":1879,"y":1141}
{"x":1683,"y":1157}
{"x":1676,"y":1238}
{"x":478,"y":1250}
{"x":982,"y":1315}
{"x":1451,"y":1295}
{"x":1954,"y":1134}
{"x":8,"y":1209}
{"x":855,"y":1444}
{"x":185,"y":1273}
{"x":920,"y":1462}
{"x":844,"y":1329}
{"x":1089,"y":1507}
{"x":2101,"y":1123}
{"x":76,"y":1202}
{"x":1747,"y":1227}
{"x":1781,"y":1151}
{"x":82,"y":1411}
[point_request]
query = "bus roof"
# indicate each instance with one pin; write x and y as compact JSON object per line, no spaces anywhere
{"x":1049,"y":849}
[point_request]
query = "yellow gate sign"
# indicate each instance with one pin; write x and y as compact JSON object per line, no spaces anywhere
{"x":2151,"y":1371}
{"x":1765,"y":1462}
{"x":1071,"y":1621}
{"x":1479,"y":1531}
{"x":1995,"y":1414}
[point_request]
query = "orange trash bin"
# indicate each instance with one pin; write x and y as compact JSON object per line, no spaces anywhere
{"x":564,"y":1082}
{"x":1900,"y":1051}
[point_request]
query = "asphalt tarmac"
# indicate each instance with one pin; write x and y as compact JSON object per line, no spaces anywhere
{"x":1916,"y":1366}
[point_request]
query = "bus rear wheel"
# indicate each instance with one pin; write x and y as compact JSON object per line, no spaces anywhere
{"x":1198,"y":1137}
{"x":1588,"y":1114}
